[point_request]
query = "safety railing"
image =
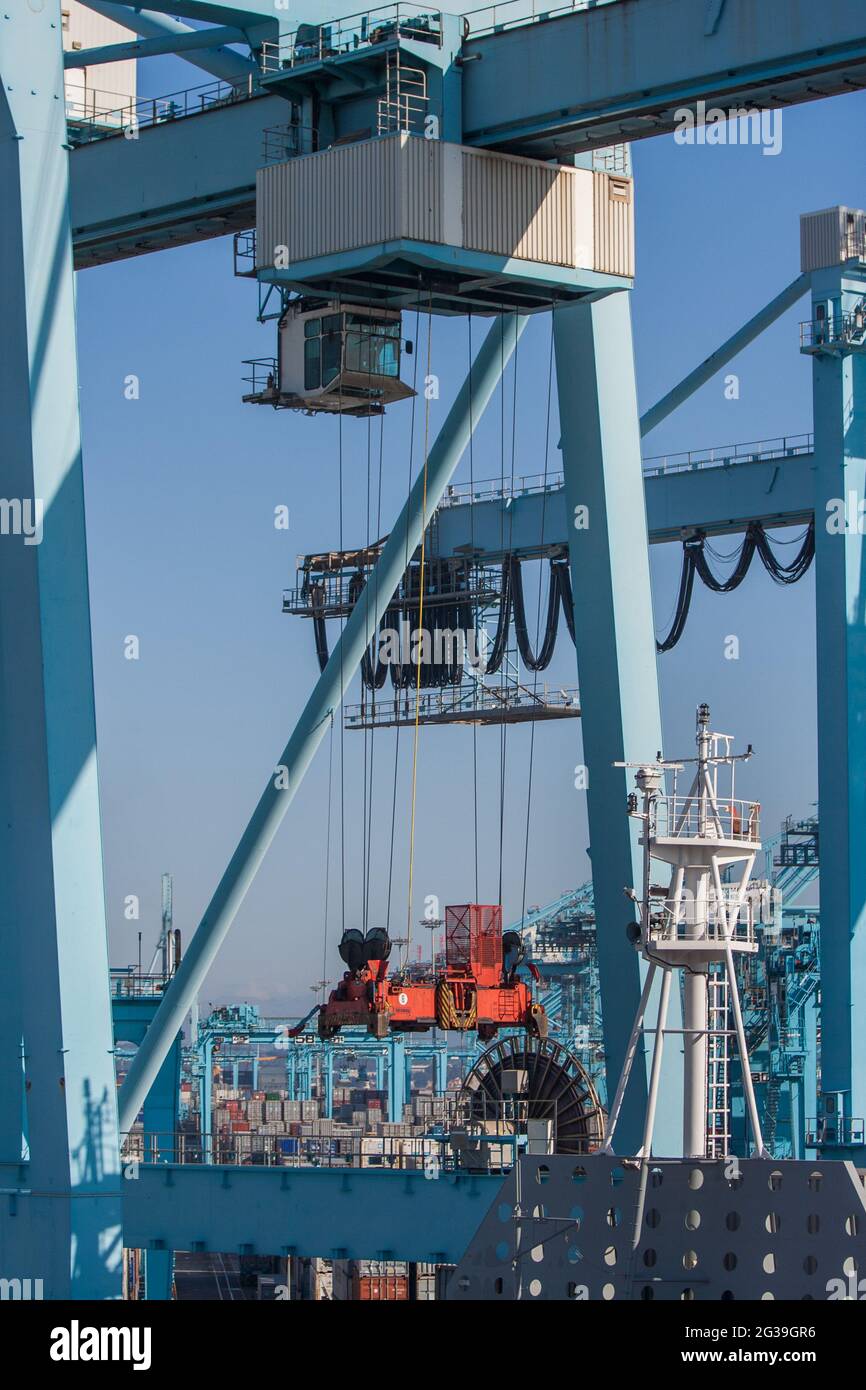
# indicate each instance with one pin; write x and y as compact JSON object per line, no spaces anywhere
{"x":839,"y":331}
{"x":489,"y":489}
{"x":470,"y":701}
{"x":613,"y":159}
{"x":431,"y":1154}
{"x":657,"y":465}
{"x":92,"y":116}
{"x":829,"y":1131}
{"x":132,"y":984}
{"x":404,"y":105}
{"x":90,"y":104}
{"x":335,"y":595}
{"x":727,"y":455}
{"x":262,"y":375}
{"x":511,"y":14}
{"x":315,"y":43}
{"x":282,"y":142}
{"x":687,"y":816}
{"x":244,"y":252}
{"x":740,"y":933}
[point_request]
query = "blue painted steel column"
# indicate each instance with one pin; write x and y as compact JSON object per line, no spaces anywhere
{"x":809,"y":1088}
{"x":160,"y":1119}
{"x":616,"y":660}
{"x":328,"y":1062}
{"x":64,"y":1224}
{"x":284,"y":781}
{"x":722,"y":355}
{"x":440,"y":1065}
{"x":396,"y":1057}
{"x":207,"y":1100}
{"x":839,"y":393}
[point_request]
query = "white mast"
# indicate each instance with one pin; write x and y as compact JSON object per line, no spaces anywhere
{"x":695,"y":924}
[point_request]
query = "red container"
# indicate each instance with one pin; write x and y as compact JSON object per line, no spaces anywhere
{"x":391,"y":1288}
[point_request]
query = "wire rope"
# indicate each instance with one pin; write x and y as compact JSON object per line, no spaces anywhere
{"x":416,"y":729}
{"x":550,"y":621}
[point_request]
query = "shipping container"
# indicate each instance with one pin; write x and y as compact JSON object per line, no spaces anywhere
{"x":387,"y":1288}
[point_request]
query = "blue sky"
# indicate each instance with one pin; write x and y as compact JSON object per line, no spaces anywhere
{"x":181,"y":486}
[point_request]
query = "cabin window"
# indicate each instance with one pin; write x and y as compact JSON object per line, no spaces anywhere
{"x":373,"y":345}
{"x":312,"y":361}
{"x":332,"y":346}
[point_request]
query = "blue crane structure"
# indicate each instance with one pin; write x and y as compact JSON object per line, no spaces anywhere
{"x":561,"y":86}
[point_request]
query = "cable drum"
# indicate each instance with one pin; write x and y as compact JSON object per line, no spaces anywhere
{"x":523,"y":1078}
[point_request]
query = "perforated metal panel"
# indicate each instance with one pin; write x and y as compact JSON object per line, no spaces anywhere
{"x":564,"y":1228}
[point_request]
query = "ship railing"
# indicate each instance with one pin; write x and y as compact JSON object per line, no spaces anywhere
{"x":696,"y":818}
{"x":740,"y":933}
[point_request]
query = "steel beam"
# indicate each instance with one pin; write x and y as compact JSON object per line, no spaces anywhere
{"x":616,"y":657}
{"x":178,"y":44}
{"x":344,"y":1213}
{"x":624,"y":71}
{"x":223,"y":63}
{"x":326,"y":698}
{"x":839,"y":396}
{"x":618,"y":71}
{"x":60,"y":1216}
{"x":717,"y":500}
{"x":155,"y":203}
{"x":716,"y":360}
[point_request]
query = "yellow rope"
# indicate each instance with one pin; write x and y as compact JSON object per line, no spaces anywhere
{"x":420,"y":641}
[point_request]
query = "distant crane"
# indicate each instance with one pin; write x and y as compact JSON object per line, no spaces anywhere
{"x":168,"y":945}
